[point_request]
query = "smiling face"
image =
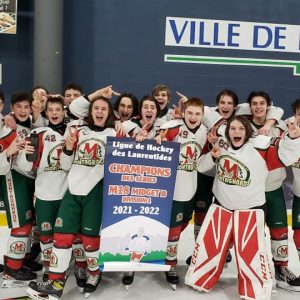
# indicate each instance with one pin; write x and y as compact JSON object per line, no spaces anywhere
{"x":21,"y":110}
{"x":125,"y":109}
{"x":193,"y":116}
{"x":162,"y":98}
{"x":237,"y":133}
{"x":226,"y":106}
{"x":55,"y":113}
{"x":100,"y":111}
{"x":148,"y":112}
{"x":70,"y":95}
{"x":259,"y":107}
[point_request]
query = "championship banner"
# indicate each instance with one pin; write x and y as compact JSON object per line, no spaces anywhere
{"x":137,"y":201}
{"x":8,"y":16}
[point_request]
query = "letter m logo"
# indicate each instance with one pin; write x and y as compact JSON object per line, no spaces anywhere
{"x":230,"y":171}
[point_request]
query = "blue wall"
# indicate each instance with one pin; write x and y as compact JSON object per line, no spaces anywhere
{"x":122,"y":43}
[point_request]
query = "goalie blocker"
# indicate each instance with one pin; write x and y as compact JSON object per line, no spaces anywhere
{"x":221,"y":228}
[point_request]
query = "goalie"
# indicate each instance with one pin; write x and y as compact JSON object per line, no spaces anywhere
{"x":237,"y":215}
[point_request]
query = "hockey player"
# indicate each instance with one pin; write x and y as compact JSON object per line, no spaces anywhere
{"x":126,"y":107}
{"x":162,"y":94}
{"x":145,"y":125}
{"x":237,"y":214}
{"x":81,"y":207}
{"x":276,"y":219}
{"x":296,"y":183}
{"x":51,"y":181}
{"x":191,"y":134}
{"x":17,"y":189}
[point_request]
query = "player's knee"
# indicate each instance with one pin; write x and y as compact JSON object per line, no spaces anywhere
{"x":174,"y":233}
{"x":63,"y":240}
{"x":90,"y":243}
{"x":279,"y":233}
{"x":22,"y":231}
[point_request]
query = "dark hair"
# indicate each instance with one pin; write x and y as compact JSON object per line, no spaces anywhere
{"x":1,"y":96}
{"x":39,"y":87}
{"x":159,"y":88}
{"x":150,"y":98}
{"x":73,"y":86}
{"x":296,"y":105}
{"x":248,"y":128}
{"x":19,"y":97}
{"x":134,"y":100}
{"x":259,"y":94}
{"x":55,"y":99}
{"x":195,"y":102}
{"x":230,"y":93}
{"x":110,"y":121}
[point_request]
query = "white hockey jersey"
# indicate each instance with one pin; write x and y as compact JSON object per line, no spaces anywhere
{"x":191,"y":144}
{"x":241,"y":174}
{"x":86,"y":164}
{"x":51,"y":180}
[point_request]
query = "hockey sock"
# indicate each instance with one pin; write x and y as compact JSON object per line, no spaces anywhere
{"x":17,"y":244}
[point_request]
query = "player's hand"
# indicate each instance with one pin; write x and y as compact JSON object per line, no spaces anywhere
{"x":212,"y":135}
{"x":10,"y":122}
{"x":15,"y":146}
{"x":71,"y":138}
{"x":119,"y":128}
{"x":182,"y":98}
{"x":177,"y":111}
{"x":265,"y":129}
{"x":143,"y":133}
{"x":294,"y":130}
{"x":215,"y":151}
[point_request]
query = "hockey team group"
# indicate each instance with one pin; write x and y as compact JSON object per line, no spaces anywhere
{"x":232,"y":163}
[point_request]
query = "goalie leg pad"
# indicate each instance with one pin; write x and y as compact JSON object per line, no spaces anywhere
{"x":255,"y":279}
{"x":213,"y":241}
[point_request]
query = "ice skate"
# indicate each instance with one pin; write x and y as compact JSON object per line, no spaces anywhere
{"x":52,"y":289}
{"x":127,"y":279}
{"x":287,"y":280}
{"x":16,"y":278}
{"x":80,"y":275}
{"x":172,"y":278}
{"x":91,"y":284}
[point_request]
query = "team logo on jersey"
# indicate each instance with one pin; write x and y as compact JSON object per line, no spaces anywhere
{"x":92,"y":262}
{"x":53,"y":260}
{"x":90,"y":152}
{"x":233,"y":172}
{"x":17,"y":247}
{"x":46,"y":226}
{"x":59,"y":222}
{"x":53,"y":158}
{"x":282,"y":251}
{"x":189,"y":154}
